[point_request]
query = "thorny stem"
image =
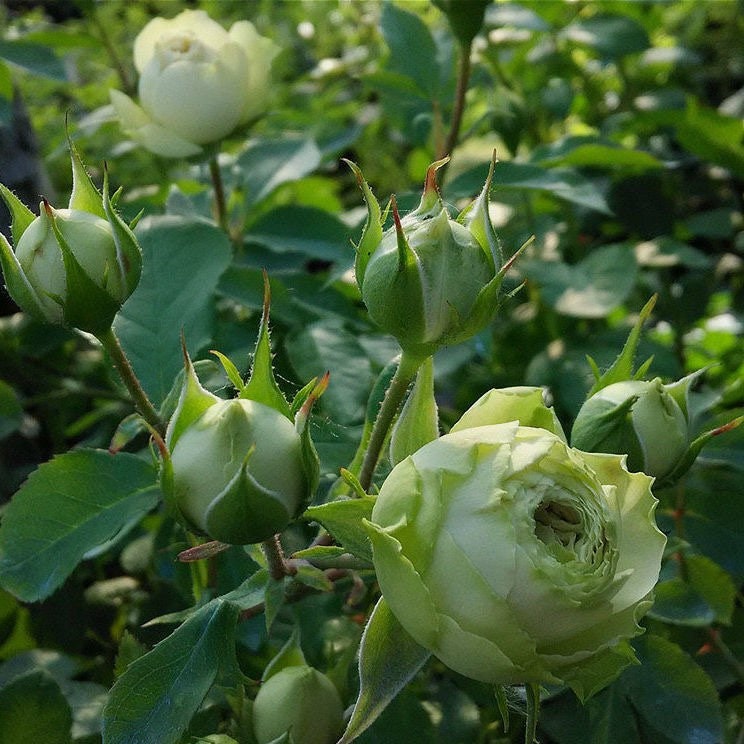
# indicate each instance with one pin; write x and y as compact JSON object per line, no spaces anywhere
{"x":394,"y":396}
{"x":141,"y":402}
{"x":463,"y":79}
{"x":220,"y":206}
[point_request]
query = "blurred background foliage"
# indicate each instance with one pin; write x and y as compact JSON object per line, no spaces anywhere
{"x":619,"y":130}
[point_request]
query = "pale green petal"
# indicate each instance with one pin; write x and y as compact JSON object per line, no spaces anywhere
{"x":138,"y":125}
{"x":402,"y":587}
{"x":478,"y":658}
{"x":523,"y":404}
{"x":195,"y":22}
{"x":197,"y":101}
{"x":640,"y":542}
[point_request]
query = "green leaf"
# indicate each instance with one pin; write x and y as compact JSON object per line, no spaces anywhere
{"x":328,"y":345}
{"x":611,"y":36}
{"x":343,"y":519}
{"x":668,"y":697}
{"x":413,"y":52}
{"x":307,"y":230}
{"x":591,"y":288}
{"x":35,"y":58}
{"x":33,"y":709}
{"x":563,"y":183}
{"x":388,"y":660}
{"x":155,"y":698}
{"x":707,"y":596}
{"x":598,"y":155}
{"x":68,"y":506}
{"x":182,"y":263}
{"x":267,"y":164}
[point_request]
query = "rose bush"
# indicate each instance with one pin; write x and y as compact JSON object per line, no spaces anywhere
{"x":513,"y":557}
{"x":197,"y":82}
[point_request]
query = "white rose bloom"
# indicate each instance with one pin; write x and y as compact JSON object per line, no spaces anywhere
{"x":198,"y":82}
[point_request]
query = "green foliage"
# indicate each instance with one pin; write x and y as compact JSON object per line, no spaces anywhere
{"x":617,"y":130}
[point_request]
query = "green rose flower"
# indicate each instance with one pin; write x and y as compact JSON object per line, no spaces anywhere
{"x":513,"y":557}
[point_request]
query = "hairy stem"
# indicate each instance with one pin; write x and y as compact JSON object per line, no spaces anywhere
{"x":394,"y":396}
{"x":141,"y":402}
{"x":278,"y":566}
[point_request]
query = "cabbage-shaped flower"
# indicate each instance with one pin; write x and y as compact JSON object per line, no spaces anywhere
{"x":514,"y":558}
{"x":197,"y":82}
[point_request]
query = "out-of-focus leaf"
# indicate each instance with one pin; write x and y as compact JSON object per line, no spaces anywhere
{"x":664,"y":252}
{"x":560,"y":182}
{"x":35,"y":58}
{"x":514,"y":15}
{"x":33,"y":709}
{"x":266,"y":164}
{"x":327,"y":345}
{"x":307,"y":230}
{"x":607,"y":157}
{"x":413,"y":52}
{"x":611,"y":36}
{"x":590,"y":288}
{"x":155,"y":698}
{"x":11,"y":412}
{"x":182,"y":263}
{"x":67,"y":507}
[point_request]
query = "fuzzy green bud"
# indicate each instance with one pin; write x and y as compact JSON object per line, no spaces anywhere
{"x":299,"y":700}
{"x":429,"y":280}
{"x":73,"y":266}
{"x":238,"y":474}
{"x":640,"y":418}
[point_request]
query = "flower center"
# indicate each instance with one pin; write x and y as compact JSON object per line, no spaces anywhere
{"x":182,"y":46}
{"x":556,"y":522}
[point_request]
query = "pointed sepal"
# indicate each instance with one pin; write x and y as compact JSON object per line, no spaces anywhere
{"x":477,"y":219}
{"x":244,"y":511}
{"x":262,"y":386}
{"x":192,"y":402}
{"x":85,"y":196}
{"x":309,"y":455}
{"x":388,"y":660}
{"x":21,"y":216}
{"x":19,"y":288}
{"x":372,"y":231}
{"x":431,"y":200}
{"x":290,"y":654}
{"x":128,"y":252}
{"x":86,"y":305}
{"x":622,"y":368}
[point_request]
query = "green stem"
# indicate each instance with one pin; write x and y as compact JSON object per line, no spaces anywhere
{"x":533,"y":711}
{"x":463,"y":79}
{"x":220,"y":207}
{"x":394,"y":396}
{"x":141,"y":402}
